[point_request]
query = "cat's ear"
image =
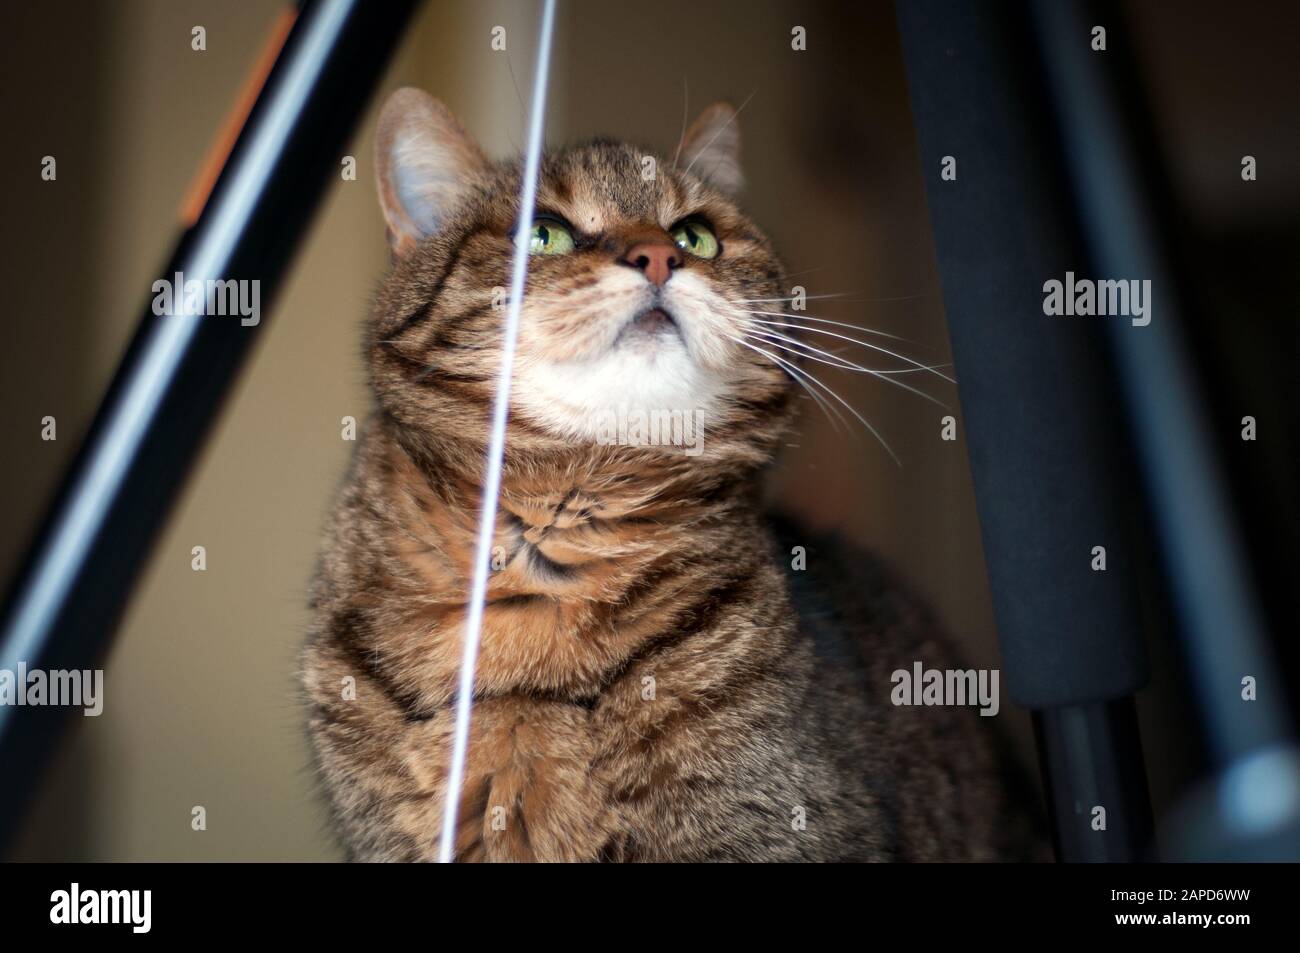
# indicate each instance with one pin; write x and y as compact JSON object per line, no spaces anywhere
{"x":427,"y":164}
{"x":711,"y":149}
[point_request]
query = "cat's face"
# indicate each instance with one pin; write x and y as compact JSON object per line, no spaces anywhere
{"x":640,"y":275}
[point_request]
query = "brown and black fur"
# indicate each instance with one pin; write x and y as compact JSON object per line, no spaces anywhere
{"x":653,"y":683}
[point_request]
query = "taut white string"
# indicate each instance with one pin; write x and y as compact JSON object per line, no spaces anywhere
{"x":497,"y":441}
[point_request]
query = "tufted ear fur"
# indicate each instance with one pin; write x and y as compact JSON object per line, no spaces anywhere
{"x":426,"y":165}
{"x":711,"y":149}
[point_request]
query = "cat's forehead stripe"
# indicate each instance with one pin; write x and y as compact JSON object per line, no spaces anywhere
{"x":585,"y":207}
{"x":604,"y":190}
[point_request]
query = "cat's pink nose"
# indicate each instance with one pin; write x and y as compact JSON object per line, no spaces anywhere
{"x":656,"y":259}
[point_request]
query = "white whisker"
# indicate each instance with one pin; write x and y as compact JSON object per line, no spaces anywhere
{"x":849,"y":365}
{"x":765,"y":300}
{"x":768,"y":342}
{"x":919,"y":368}
{"x":914,"y":370}
{"x":794,"y":317}
{"x":805,"y":271}
{"x":875,"y":347}
{"x":793,"y":370}
{"x":832,"y":360}
{"x":826,"y":408}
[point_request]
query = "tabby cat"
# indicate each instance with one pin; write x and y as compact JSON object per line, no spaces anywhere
{"x":655,"y":683}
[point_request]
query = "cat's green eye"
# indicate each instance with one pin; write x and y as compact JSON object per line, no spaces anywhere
{"x":696,"y":239}
{"x":550,"y":238}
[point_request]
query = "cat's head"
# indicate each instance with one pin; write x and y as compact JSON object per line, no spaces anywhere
{"x":641,"y":273}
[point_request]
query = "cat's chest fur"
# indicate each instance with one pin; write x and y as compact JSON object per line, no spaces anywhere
{"x":587,"y":569}
{"x":629,"y":652}
{"x":644,"y":688}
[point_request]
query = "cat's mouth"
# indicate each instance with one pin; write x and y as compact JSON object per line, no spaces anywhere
{"x":654,"y":320}
{"x":649,"y":325}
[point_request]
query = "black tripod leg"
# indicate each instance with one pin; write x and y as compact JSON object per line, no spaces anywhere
{"x":1091,"y":758}
{"x":75,"y":581}
{"x":1050,"y":468}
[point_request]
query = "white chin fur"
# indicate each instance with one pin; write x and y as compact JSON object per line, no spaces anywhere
{"x":640,"y":373}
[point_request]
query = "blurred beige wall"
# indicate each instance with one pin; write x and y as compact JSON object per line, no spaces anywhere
{"x":201,"y":700}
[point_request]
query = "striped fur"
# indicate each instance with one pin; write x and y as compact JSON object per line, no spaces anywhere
{"x":646,"y":687}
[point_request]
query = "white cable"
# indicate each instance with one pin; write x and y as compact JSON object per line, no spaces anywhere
{"x":497,"y":442}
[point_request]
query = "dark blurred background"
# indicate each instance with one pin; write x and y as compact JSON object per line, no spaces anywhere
{"x":201,"y":704}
